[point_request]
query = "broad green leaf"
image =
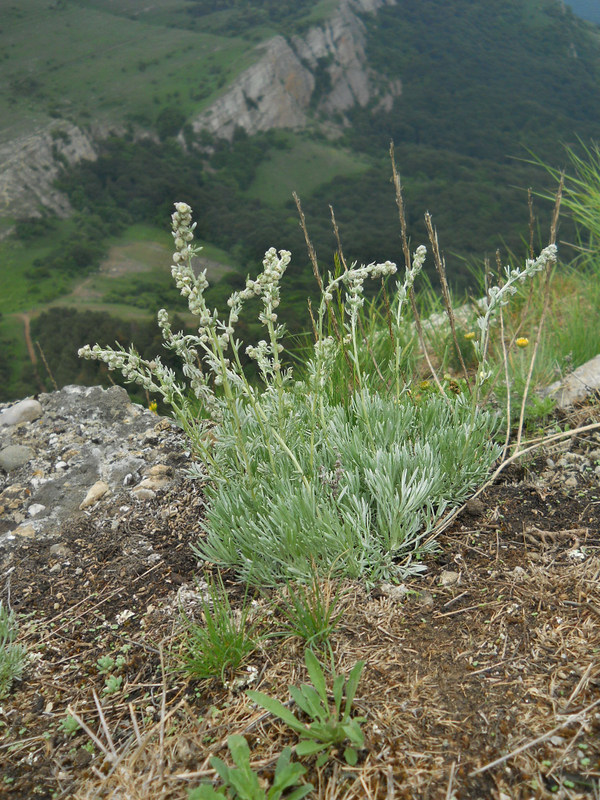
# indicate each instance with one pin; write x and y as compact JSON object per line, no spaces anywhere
{"x":245,"y":783}
{"x":307,"y":748}
{"x":316,"y":674}
{"x":300,"y":700}
{"x":353,"y":731}
{"x":276,"y":708}
{"x":300,"y":792}
{"x":312,"y":703}
{"x":351,"y":756}
{"x":240,"y":752}
{"x":204,"y":793}
{"x":338,"y":691}
{"x":221,"y":768}
{"x":352,"y":685}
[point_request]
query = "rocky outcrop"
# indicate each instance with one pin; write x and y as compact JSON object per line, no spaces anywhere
{"x":577,"y":386}
{"x":30,"y":164}
{"x":79,"y":448}
{"x":324,"y":71}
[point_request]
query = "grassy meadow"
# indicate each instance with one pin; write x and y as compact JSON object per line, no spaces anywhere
{"x":98,"y":65}
{"x":302,"y":168}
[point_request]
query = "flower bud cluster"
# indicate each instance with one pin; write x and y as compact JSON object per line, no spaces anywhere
{"x":191,"y":286}
{"x":354,"y":279}
{"x":498,"y":296}
{"x":319,"y":367}
{"x":410,"y":275}
{"x":267,"y":286}
{"x":135,"y":369}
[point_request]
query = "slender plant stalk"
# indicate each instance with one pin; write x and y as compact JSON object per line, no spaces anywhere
{"x":406,"y":250}
{"x":508,"y":391}
{"x":440,"y":265}
{"x":545,"y":307}
{"x":366,"y":341}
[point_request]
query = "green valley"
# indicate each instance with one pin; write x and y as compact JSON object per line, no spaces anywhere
{"x":112,"y":111}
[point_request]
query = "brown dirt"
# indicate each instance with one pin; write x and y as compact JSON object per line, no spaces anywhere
{"x":502,"y":663}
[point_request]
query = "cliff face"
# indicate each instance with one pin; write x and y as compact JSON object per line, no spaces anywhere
{"x":31,"y":163}
{"x":277,"y":91}
{"x":324,"y":72}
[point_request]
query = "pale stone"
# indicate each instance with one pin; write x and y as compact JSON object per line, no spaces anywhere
{"x":15,"y":456}
{"x":396,"y":593}
{"x":449,"y":578}
{"x":98,"y":490}
{"x":35,"y":509}
{"x":26,"y":531}
{"x":578,"y":385}
{"x":426,"y":599}
{"x":153,"y":483}
{"x":160,"y":469}
{"x":143,"y":494}
{"x":24,"y":411}
{"x":519,"y":574}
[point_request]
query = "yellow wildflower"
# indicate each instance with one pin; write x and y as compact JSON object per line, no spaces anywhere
{"x":470,"y":335}
{"x":153,"y":405}
{"x":523,"y":341}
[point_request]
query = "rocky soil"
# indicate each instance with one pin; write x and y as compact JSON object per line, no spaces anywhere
{"x":482,"y":677}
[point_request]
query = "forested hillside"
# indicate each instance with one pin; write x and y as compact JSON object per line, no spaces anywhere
{"x":483,"y":86}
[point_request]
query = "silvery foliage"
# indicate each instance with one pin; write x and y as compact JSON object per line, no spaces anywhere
{"x":293,"y":478}
{"x":380,"y":475}
{"x":499,"y":296}
{"x":12,"y":655}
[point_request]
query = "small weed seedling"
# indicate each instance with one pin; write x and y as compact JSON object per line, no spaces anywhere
{"x":12,"y":656}
{"x":310,"y":611}
{"x":69,"y":725}
{"x":242,"y":783}
{"x":225,"y":640}
{"x":329,"y":727}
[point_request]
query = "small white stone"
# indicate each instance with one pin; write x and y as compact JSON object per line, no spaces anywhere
{"x":160,"y":469}
{"x":519,"y":574}
{"x":35,"y":509}
{"x":153,"y":483}
{"x":397,"y":593}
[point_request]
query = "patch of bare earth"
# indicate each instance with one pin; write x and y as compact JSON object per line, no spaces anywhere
{"x":483,"y":682}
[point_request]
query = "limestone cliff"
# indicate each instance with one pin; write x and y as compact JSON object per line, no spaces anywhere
{"x":279,"y":89}
{"x":30,"y":165}
{"x":322,"y":73}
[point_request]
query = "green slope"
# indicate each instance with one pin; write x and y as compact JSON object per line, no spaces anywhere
{"x":87,"y":64}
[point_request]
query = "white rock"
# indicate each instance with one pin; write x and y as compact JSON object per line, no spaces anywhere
{"x":397,"y":593}
{"x":153,"y":483}
{"x":519,"y":574}
{"x":35,"y":509}
{"x":581,"y":383}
